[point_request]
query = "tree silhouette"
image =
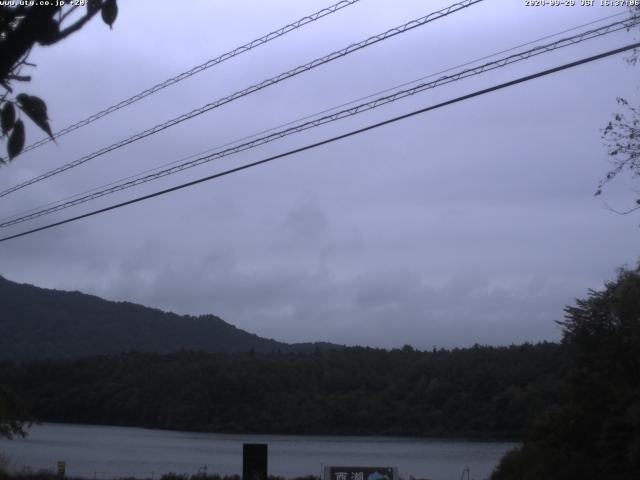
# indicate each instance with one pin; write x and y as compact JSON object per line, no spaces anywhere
{"x":594,"y":432}
{"x":12,"y":413}
{"x":21,"y":28}
{"x":622,"y":138}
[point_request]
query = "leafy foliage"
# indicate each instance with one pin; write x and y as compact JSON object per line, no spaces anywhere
{"x":36,"y":110}
{"x":109,"y":12}
{"x":8,"y":117}
{"x":23,"y":26}
{"x":622,"y":137}
{"x":16,"y":139}
{"x":479,"y":391}
{"x":594,"y":432}
{"x":12,"y":413}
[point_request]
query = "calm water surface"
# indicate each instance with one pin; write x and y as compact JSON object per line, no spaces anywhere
{"x":108,"y":452}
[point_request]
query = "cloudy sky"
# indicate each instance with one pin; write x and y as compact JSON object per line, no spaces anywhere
{"x":472,"y":223}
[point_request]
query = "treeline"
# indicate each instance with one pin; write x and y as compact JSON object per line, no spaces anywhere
{"x":479,"y":391}
{"x":45,"y":475}
{"x":593,"y":433}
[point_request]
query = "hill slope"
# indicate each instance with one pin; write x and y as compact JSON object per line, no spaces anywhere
{"x":39,"y":323}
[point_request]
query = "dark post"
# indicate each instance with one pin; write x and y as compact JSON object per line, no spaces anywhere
{"x":254,"y":461}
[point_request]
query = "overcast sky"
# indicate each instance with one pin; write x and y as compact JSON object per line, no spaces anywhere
{"x":472,"y":223}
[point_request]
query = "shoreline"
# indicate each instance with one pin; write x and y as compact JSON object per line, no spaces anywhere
{"x":481,"y":438}
{"x":95,"y":452}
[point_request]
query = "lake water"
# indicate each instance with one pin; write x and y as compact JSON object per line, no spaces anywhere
{"x":111,"y":452}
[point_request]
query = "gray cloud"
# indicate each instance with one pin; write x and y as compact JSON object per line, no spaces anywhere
{"x":473,"y":223}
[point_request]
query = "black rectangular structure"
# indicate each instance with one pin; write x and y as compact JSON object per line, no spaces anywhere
{"x":254,"y":461}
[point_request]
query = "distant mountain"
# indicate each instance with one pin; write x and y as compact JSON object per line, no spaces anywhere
{"x":38,"y":323}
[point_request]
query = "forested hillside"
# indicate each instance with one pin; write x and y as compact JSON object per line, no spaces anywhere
{"x":593,"y":433}
{"x":39,"y":323}
{"x":480,"y":391}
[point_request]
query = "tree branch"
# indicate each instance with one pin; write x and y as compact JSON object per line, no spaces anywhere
{"x":66,"y":14}
{"x":74,"y":27}
{"x":20,"y":78}
{"x":621,"y":212}
{"x":20,"y":40}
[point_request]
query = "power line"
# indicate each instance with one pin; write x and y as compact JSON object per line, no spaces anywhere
{"x":306,"y":117}
{"x":197,"y":69}
{"x":332,"y":139}
{"x":114,"y":187}
{"x":254,"y":88}
{"x":502,"y":62}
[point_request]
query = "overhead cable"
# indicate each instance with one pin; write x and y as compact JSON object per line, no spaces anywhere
{"x":254,"y":88}
{"x":306,"y":117}
{"x":197,"y":69}
{"x":363,"y":107}
{"x":330,"y":140}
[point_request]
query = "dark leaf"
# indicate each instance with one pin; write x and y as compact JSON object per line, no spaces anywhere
{"x":48,"y":31}
{"x":36,"y":109}
{"x":16,"y":140}
{"x":109,"y":12}
{"x":8,"y":117}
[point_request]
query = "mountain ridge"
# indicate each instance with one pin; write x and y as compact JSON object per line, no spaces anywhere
{"x":40,"y":323}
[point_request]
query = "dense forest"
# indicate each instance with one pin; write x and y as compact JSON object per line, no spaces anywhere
{"x":39,"y":323}
{"x":575,"y":405}
{"x":479,"y":391}
{"x":593,"y":433}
